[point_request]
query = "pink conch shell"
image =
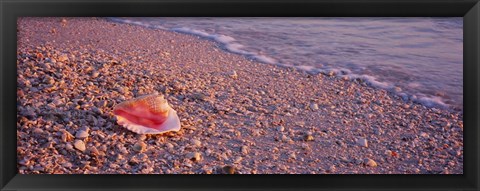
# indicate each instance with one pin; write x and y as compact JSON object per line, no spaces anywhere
{"x":149,"y":114}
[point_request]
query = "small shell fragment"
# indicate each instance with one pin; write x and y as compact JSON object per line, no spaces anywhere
{"x":80,"y":145}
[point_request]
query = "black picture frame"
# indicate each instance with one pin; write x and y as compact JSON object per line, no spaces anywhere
{"x":10,"y":10}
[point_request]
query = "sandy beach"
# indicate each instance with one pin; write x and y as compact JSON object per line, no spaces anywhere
{"x":238,"y":116}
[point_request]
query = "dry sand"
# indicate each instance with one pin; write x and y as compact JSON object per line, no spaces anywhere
{"x":237,"y":115}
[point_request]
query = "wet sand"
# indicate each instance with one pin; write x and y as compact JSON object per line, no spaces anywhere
{"x":237,"y":115}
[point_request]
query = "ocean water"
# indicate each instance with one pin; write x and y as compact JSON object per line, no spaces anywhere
{"x":419,"y":59}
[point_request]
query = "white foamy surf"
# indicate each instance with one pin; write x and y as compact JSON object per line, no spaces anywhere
{"x":229,"y":43}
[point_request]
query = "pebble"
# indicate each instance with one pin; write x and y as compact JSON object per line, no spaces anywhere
{"x":304,"y":146}
{"x":344,"y":159}
{"x":424,"y":135}
{"x":62,"y":58}
{"x":95,"y":74}
{"x":169,"y":145}
{"x":139,"y":147}
{"x":93,"y":150}
{"x":103,"y":148}
{"x":256,"y":132}
{"x":228,"y":169}
{"x":378,"y":131}
{"x":102,"y":103}
{"x":370,"y":162}
{"x":37,"y":131}
{"x":196,"y":142}
{"x":397,"y":89}
{"x":416,"y":170}
{"x":362,"y":101}
{"x":362,"y":142}
{"x":244,"y":150}
{"x":141,"y":137}
{"x":67,"y":165}
{"x":80,"y":145}
{"x":358,"y":161}
{"x":49,"y":80}
{"x":292,"y":155}
{"x":69,"y":147}
{"x":340,"y":143}
{"x":20,"y":93}
{"x":194,"y":156}
{"x":388,"y":152}
{"x":24,"y":162}
{"x":234,"y":75}
{"x":314,"y":106}
{"x":280,"y":128}
{"x":285,"y":138}
{"x":238,"y":159}
{"x":81,"y":134}
{"x":57,"y":102}
{"x":208,"y":152}
{"x":122,"y":149}
{"x":308,"y":137}
{"x":331,"y":168}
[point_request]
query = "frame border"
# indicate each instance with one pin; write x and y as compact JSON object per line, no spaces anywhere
{"x":10,"y":10}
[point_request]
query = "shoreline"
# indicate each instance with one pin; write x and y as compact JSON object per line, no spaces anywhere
{"x":234,"y":113}
{"x":229,"y":44}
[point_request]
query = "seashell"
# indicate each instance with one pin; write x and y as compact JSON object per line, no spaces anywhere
{"x":148,"y":114}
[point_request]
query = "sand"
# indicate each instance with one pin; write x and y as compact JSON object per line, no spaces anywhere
{"x":237,"y":115}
